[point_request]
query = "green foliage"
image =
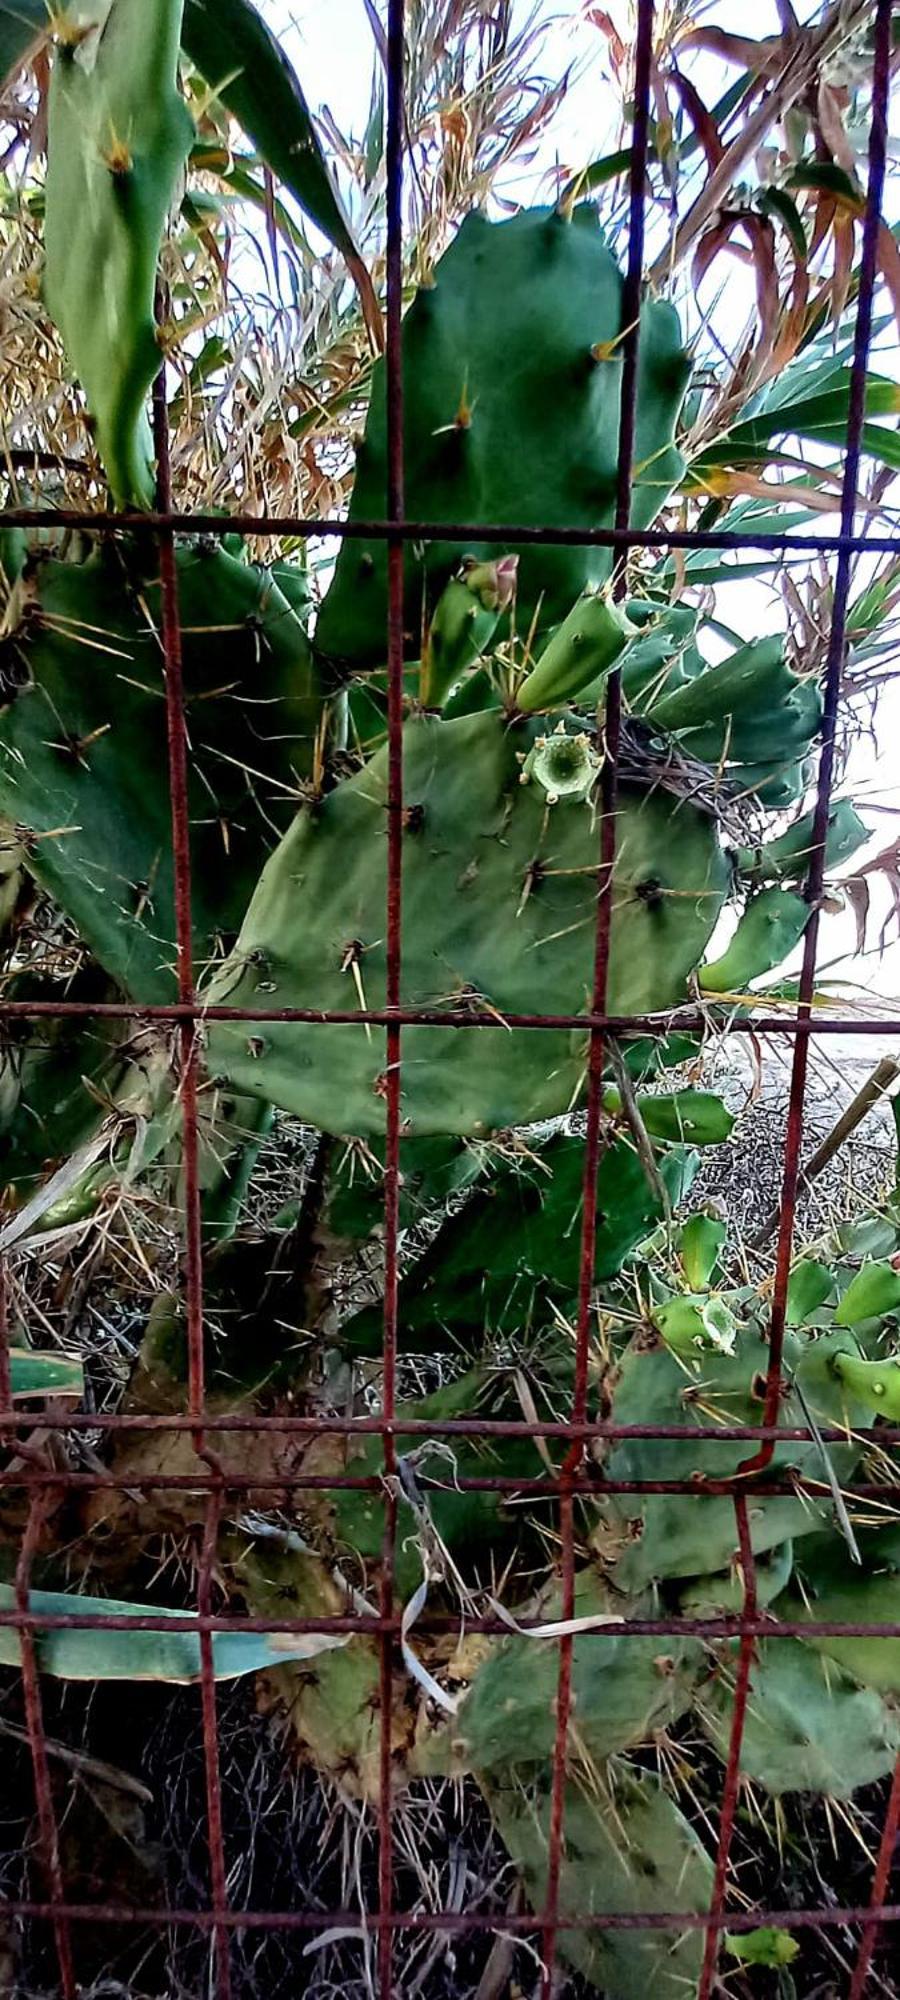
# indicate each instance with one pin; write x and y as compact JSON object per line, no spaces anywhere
{"x":511,"y":416}
{"x":83,"y":748}
{"x":511,"y":1253}
{"x":119,"y":135}
{"x":84,"y":1653}
{"x":808,"y":1728}
{"x":498,"y":901}
{"x":34,"y":1374}
{"x":244,"y":63}
{"x":627,"y":1848}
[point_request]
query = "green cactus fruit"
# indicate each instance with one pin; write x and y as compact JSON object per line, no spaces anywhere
{"x":581,"y":652}
{"x":832,"y":1590}
{"x":118,"y":137}
{"x":787,"y":859}
{"x":499,"y":901}
{"x":776,"y":785}
{"x":701,"y":1322}
{"x":874,"y":1384}
{"x":873,"y":1292}
{"x":771,"y":926}
{"x":624,"y":1688}
{"x":754,"y":680}
{"x":691,"y":1534}
{"x":723,"y":1595}
{"x":810,"y":1286}
{"x":662,"y":656}
{"x":627,"y":1850}
{"x":502,"y":1262}
{"x":807,"y":1727}
{"x":792,"y":720}
{"x":466,"y":617}
{"x":83,"y":750}
{"x":691,"y":1117}
{"x":700,"y":1245}
{"x":512,"y":368}
{"x":767,"y":1946}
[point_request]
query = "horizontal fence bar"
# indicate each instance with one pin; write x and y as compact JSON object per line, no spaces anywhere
{"x":28,"y":1476}
{"x":516,"y":1922}
{"x":690,"y":1020}
{"x":325,"y":526}
{"x":359,"y":1626}
{"x":474,"y":1427}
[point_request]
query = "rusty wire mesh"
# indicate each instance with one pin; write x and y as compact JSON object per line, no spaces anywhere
{"x":41,"y":1477}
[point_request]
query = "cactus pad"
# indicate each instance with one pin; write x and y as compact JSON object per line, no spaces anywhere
{"x":627,"y":1849}
{"x":499,"y":901}
{"x":687,"y":1534}
{"x":512,"y":370}
{"x":624,"y":1687}
{"x":119,"y":134}
{"x":83,"y":751}
{"x":808,"y":1728}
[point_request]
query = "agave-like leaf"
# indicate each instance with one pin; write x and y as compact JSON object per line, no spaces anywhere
{"x":33,"y":1374}
{"x":96,"y":1653}
{"x":245,"y":65}
{"x":22,"y":22}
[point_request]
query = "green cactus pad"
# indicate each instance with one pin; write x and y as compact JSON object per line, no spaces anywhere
{"x":512,"y":371}
{"x":494,"y":1266}
{"x":689,"y":1535}
{"x":627,"y":1849}
{"x":83,"y":750}
{"x":624,"y":1687}
{"x":499,"y":900}
{"x":470,"y":1523}
{"x":808,"y":1729}
{"x":57,"y":1076}
{"x":835,"y":1590}
{"x":119,"y":134}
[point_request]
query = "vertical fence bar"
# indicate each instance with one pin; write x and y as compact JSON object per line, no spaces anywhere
{"x":395,"y":557}
{"x":48,"y":1832}
{"x":731,"y":1782}
{"x":189,"y":1067}
{"x":881,"y":73}
{"x":631,"y":303}
{"x":34,"y":1721}
{"x":887,"y":1851}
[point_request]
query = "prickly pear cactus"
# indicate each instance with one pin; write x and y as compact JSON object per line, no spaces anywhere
{"x":499,"y":902}
{"x":84,"y":769}
{"x":512,"y":370}
{"x":627,"y":1848}
{"x":119,"y":135}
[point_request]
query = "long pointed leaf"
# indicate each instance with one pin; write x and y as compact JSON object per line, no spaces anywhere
{"x":94,"y":1653}
{"x":243,"y":63}
{"x":45,"y":1374}
{"x":21,"y":23}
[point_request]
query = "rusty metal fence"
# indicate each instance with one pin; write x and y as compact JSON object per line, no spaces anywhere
{"x":41,"y":1477}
